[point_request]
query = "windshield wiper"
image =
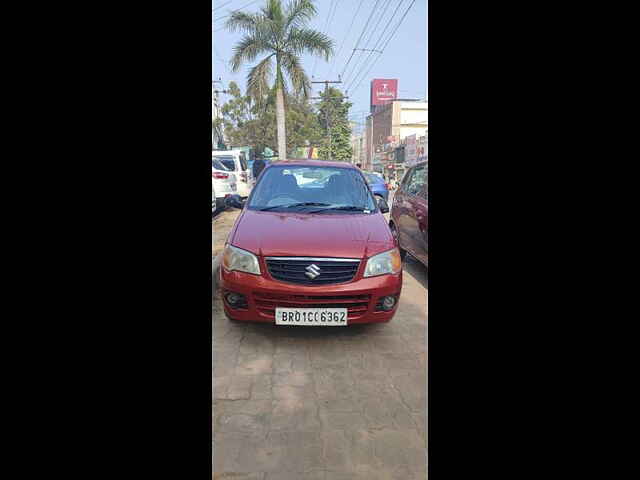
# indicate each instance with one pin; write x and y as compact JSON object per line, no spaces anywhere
{"x":293,"y":205}
{"x":348,"y":208}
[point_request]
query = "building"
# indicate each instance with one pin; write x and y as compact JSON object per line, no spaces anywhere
{"x":391,"y":124}
{"x":357,"y":146}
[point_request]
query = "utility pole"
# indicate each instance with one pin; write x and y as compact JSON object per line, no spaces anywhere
{"x":216,"y":113}
{"x":326,"y":94}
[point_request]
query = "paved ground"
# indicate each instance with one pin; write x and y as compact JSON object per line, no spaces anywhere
{"x":309,"y":403}
{"x":221,"y":225}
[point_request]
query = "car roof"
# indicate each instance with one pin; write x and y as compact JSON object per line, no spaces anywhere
{"x":313,"y":163}
{"x":225,"y":152}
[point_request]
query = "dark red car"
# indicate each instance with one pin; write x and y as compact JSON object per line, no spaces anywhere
{"x":311,"y":247}
{"x":409,"y":218}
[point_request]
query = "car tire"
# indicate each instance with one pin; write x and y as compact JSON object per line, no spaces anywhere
{"x":394,"y":232}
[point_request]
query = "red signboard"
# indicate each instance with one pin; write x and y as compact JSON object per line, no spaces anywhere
{"x":383,"y":90}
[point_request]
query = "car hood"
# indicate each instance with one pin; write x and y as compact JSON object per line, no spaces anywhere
{"x":311,"y":235}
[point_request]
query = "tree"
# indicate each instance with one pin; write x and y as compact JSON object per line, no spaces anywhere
{"x":254,"y":125}
{"x":281,"y":33}
{"x":238,"y":109}
{"x":333,"y":115}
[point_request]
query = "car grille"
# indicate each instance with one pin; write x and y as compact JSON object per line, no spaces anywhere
{"x":356,"y":305}
{"x":293,"y":270}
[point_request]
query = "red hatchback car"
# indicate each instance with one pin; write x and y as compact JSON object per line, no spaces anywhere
{"x":409,"y":216}
{"x":311,"y":247}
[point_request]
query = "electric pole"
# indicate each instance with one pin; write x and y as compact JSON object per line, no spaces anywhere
{"x":326,"y":95}
{"x":217,"y":131}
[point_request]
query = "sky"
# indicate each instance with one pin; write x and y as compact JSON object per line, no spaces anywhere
{"x":404,"y":58}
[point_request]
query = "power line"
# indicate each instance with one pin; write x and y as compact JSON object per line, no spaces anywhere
{"x":378,"y":42}
{"x":369,"y":36}
{"x":366,"y":24}
{"x":385,"y":45}
{"x":220,"y":6}
{"x":235,"y":10}
{"x":217,"y":54}
{"x":358,"y":67}
{"x":345,"y":37}
{"x":324,"y":30}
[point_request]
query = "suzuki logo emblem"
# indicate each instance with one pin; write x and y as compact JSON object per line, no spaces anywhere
{"x":312,"y":271}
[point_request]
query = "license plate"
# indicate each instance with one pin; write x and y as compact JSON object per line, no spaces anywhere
{"x":312,"y":317}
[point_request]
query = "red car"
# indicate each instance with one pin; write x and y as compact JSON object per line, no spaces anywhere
{"x":409,"y":214}
{"x":311,"y":247}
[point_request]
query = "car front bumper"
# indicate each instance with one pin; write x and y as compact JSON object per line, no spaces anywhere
{"x":360,"y":297}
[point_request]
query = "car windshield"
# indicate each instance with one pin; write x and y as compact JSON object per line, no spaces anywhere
{"x":228,"y":161}
{"x":312,"y":189}
{"x":218,"y":165}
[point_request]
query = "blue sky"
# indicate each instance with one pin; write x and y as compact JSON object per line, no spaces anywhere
{"x":404,"y":58}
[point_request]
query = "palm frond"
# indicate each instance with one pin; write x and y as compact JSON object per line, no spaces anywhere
{"x":258,"y":80}
{"x":241,"y":21}
{"x":299,"y":80}
{"x":302,"y":40}
{"x":299,"y":13}
{"x":248,"y":49}
{"x":273,"y":10}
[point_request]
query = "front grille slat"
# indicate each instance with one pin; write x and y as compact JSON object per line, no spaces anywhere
{"x":301,"y":269}
{"x":294,"y":270}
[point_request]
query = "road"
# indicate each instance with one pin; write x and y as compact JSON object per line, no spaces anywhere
{"x":310,"y":403}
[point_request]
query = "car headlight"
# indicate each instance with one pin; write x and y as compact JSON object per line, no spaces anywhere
{"x":384,"y":263}
{"x":240,"y":260}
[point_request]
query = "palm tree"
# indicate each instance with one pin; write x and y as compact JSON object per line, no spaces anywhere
{"x":281,"y":33}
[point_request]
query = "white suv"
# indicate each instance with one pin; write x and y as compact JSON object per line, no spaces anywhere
{"x":223,"y":182}
{"x":236,"y":162}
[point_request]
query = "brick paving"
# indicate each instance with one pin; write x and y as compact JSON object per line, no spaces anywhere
{"x":308,"y":403}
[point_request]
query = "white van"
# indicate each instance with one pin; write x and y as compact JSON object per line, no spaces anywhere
{"x":236,"y":161}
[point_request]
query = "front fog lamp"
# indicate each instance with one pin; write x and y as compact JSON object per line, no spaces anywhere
{"x":384,"y":263}
{"x":236,"y":300}
{"x":388,"y":303}
{"x":240,"y":260}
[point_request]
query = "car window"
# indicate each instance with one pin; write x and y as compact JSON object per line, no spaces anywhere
{"x":228,"y":161}
{"x":218,"y":165}
{"x":406,"y":179}
{"x":320,"y":189}
{"x":417,"y":181}
{"x":372,"y":178}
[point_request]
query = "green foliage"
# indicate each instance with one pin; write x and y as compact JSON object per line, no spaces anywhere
{"x":254,"y":125}
{"x":277,"y":32}
{"x":336,"y":132}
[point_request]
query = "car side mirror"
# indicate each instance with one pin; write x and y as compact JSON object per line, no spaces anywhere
{"x":234,"y":201}
{"x":383,"y":205}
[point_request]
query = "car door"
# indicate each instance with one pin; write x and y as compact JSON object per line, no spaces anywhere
{"x":415,"y":223}
{"x":421,"y":239}
{"x":401,"y":214}
{"x":242,"y":174}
